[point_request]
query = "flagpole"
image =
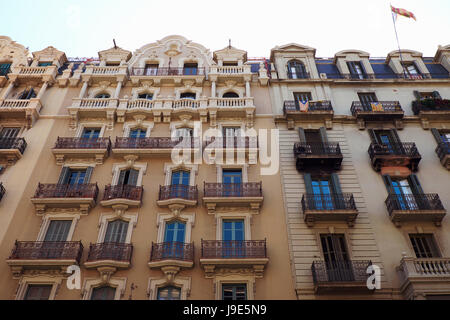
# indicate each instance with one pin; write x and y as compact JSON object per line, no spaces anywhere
{"x":398,"y":44}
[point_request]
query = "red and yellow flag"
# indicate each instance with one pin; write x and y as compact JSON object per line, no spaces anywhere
{"x":403,"y":12}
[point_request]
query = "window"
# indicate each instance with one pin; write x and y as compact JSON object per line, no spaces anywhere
{"x":103,"y":96}
{"x":5,"y":68}
{"x":58,"y":230}
{"x":441,"y":136}
{"x":302,"y":96}
{"x":175,"y":232}
{"x":187,"y":95}
{"x":296,"y":70}
{"x":44,"y":64}
{"x":38,"y":292}
{"x":75,"y":176}
{"x":147,"y":96}
{"x":323,"y":192}
{"x":232,"y":176}
{"x":407,"y":192}
{"x":337,"y":261}
{"x":180,"y":177}
{"x":234,"y":292}
{"x":103,"y":293}
{"x":184,"y":132}
{"x":231,"y":132}
{"x":367,"y":98}
{"x":128,"y":177}
{"x":169,"y":293}
{"x":424,"y":246}
{"x":190,"y":69}
{"x":387,"y":139}
{"x":27,"y":94}
{"x":91,"y":133}
{"x":230,"y":94}
{"x":116,"y":232}
{"x":9,"y":132}
{"x":138,"y":133}
{"x":233,"y":230}
{"x":411,"y":71}
{"x":151,"y":69}
{"x":180,"y":184}
{"x":356,"y":70}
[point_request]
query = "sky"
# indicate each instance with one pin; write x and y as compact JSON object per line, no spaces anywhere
{"x":83,"y":28}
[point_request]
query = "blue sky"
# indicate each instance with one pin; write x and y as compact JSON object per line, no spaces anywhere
{"x":82,"y":28}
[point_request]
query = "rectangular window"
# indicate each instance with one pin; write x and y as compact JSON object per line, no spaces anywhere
{"x":337,"y":260}
{"x":190,"y":69}
{"x":38,"y":292}
{"x":424,"y":246}
{"x":234,"y":292}
{"x":169,"y":293}
{"x":367,"y":98}
{"x":356,"y":70}
{"x":180,"y":177}
{"x":138,"y":133}
{"x":128,"y":177}
{"x":116,"y":231}
{"x":302,"y":96}
{"x":103,"y":293}
{"x":230,"y":132}
{"x":91,"y":133}
{"x":151,"y":69}
{"x":58,"y":230}
{"x":232,"y":176}
{"x":75,"y":176}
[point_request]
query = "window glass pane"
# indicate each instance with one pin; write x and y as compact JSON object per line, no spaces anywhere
{"x":103,"y":293}
{"x":147,"y":96}
{"x":58,"y":230}
{"x":233,"y":230}
{"x":138,"y":133}
{"x":175,"y":232}
{"x":38,"y":292}
{"x":234,"y":292}
{"x":232,"y":176}
{"x":116,"y":231}
{"x":169,"y":293}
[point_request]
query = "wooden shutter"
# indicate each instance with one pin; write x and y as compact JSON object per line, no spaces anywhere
{"x":308,"y":183}
{"x":121,"y":177}
{"x":301,"y":134}
{"x":323,"y":134}
{"x":133,"y":177}
{"x":415,"y":184}
{"x":335,"y":183}
{"x":373,"y":136}
{"x":64,"y":176}
{"x":395,"y":136}
{"x":351,"y":67}
{"x":87,"y":177}
{"x":436,"y":135}
{"x":388,"y":182}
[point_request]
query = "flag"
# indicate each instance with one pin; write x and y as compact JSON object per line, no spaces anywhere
{"x":402,"y":12}
{"x":304,"y":104}
{"x":376,"y":106}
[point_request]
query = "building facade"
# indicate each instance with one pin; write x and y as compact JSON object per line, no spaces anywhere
{"x":178,"y":173}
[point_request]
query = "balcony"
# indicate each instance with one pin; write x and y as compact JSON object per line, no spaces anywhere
{"x":167,"y":75}
{"x":11,"y":149}
{"x":78,"y":196}
{"x":424,"y":276}
{"x":224,"y":73}
{"x":394,"y":155}
{"x":417,"y":207}
{"x":340,"y":276}
{"x":109,"y":254}
{"x":105,"y":73}
{"x":172,"y":255}
{"x":44,"y":255}
{"x":93,"y":108}
{"x":74,"y":148}
{"x":23,"y":110}
{"x":234,"y":254}
{"x":443,"y":152}
{"x":318,"y":155}
{"x":236,"y":146}
{"x":228,"y":195}
{"x":2,"y":191}
{"x":377,"y":111}
{"x":231,"y":107}
{"x":333,"y":207}
{"x":25,"y":74}
{"x":130,"y":196}
{"x":316,"y":111}
{"x":154,"y":146}
{"x":177,"y":196}
{"x":431,"y":109}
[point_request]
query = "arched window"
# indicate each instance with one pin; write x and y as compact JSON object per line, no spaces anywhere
{"x":147,"y":96}
{"x":187,"y":95}
{"x":169,"y":293}
{"x":103,"y":293}
{"x":296,"y":70}
{"x":230,"y":94}
{"x":103,"y":96}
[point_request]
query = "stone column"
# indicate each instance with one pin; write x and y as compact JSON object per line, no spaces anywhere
{"x":83,"y":90}
{"x":117,"y":92}
{"x":247,"y":89}
{"x":213,"y":89}
{"x":43,"y":88}
{"x":8,"y":90}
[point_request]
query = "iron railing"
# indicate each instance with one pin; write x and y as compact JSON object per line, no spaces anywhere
{"x":139,"y":71}
{"x":123,"y":191}
{"x":13,"y":143}
{"x":430,"y":105}
{"x":46,"y":250}
{"x":154,"y":143}
{"x":387,"y":106}
{"x":334,"y":201}
{"x":384,"y":75}
{"x":83,"y":143}
{"x":232,"y":142}
{"x":293,"y":106}
{"x":114,"y":251}
{"x":413,"y":202}
{"x":178,"y":191}
{"x":245,"y":189}
{"x":317,"y":148}
{"x":443,"y":149}
{"x":172,"y":251}
{"x":49,"y":190}
{"x":340,"y":271}
{"x":232,"y":249}
{"x":407,"y":149}
{"x":2,"y":191}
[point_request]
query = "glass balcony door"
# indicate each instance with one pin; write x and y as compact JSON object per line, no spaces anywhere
{"x":174,"y":240}
{"x":337,"y":262}
{"x":233,"y":235}
{"x":404,"y":194}
{"x":322,"y":190}
{"x":232,"y":183}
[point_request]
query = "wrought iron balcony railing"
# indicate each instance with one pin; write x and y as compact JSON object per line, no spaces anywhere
{"x":110,"y":251}
{"x":136,"y":71}
{"x":443,"y":149}
{"x":246,"y":189}
{"x":13,"y":143}
{"x":2,"y":191}
{"x":154,"y":143}
{"x":413,"y":202}
{"x":340,"y":271}
{"x":335,"y":201}
{"x":123,"y":192}
{"x":172,"y":251}
{"x":178,"y":191}
{"x":406,"y":149}
{"x":293,"y":106}
{"x":317,"y":148}
{"x":430,"y":105}
{"x":83,"y":143}
{"x":47,"y":250}
{"x":378,"y":107}
{"x":47,"y":190}
{"x":215,"y":249}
